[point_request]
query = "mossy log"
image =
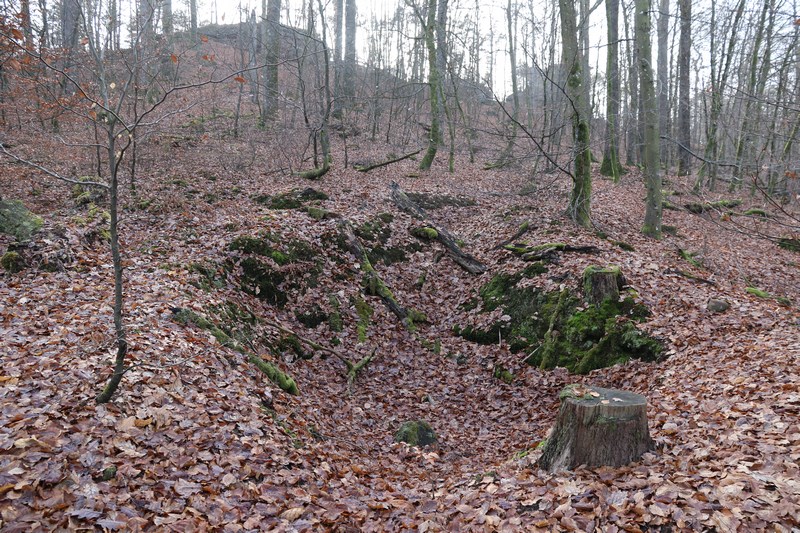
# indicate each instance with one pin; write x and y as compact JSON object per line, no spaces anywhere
{"x":524,"y":228}
{"x":600,"y":284}
{"x":273,"y":373}
{"x":546,"y":251}
{"x":463,"y":259}
{"x":597,"y":427}
{"x":372,"y":281}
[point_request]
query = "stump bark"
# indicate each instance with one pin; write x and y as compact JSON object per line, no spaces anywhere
{"x":597,"y":427}
{"x":600,"y":284}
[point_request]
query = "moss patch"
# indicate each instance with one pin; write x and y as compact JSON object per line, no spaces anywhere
{"x":263,"y":262}
{"x":556,"y":329}
{"x":436,"y":201}
{"x":294,"y":199}
{"x":415,"y":433}
{"x":17,"y":221}
{"x":787,"y":243}
{"x":364,"y":311}
{"x":273,"y":373}
{"x":12,"y":262}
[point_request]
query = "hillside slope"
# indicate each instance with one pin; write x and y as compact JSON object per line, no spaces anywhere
{"x":197,"y":438}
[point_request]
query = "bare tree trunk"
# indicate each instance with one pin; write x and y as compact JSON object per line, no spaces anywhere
{"x":719,"y":81}
{"x":633,"y":141}
{"x":652,"y":166}
{"x":349,"y":82}
{"x":611,"y":166}
{"x":577,"y":92}
{"x":193,"y":18}
{"x":662,"y":31}
{"x":272,"y":44}
{"x":753,"y":94}
{"x":338,"y":30}
{"x":685,"y":97}
{"x":434,"y":84}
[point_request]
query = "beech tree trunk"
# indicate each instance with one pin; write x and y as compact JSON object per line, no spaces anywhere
{"x":649,"y":111}
{"x":577,"y":91}
{"x":597,"y":427}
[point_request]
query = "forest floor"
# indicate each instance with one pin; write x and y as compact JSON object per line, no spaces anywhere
{"x":198,"y":439}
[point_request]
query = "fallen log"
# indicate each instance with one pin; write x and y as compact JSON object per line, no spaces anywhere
{"x":373,"y":283}
{"x":547,"y":251}
{"x":367,"y":168}
{"x":523,"y":229}
{"x":463,"y":259}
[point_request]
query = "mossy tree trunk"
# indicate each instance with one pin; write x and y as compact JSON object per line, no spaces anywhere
{"x":577,"y":92}
{"x":597,"y":427}
{"x":435,"y":86}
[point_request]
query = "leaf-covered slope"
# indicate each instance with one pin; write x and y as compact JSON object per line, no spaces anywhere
{"x":197,"y":437}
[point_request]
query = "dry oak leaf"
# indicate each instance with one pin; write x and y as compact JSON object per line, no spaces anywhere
{"x":293,"y":514}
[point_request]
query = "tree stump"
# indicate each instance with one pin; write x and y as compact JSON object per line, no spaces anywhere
{"x":600,"y":284}
{"x":597,"y":427}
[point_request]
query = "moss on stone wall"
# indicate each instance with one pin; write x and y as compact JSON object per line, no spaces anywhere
{"x":555,"y":329}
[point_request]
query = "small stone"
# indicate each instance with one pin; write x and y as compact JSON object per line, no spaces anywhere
{"x":415,"y":433}
{"x":717,"y":306}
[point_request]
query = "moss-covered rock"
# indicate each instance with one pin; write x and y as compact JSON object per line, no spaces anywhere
{"x":266,"y":278}
{"x":312,"y":317}
{"x":17,"y":221}
{"x":425,"y":233}
{"x":416,"y":433}
{"x":556,"y":329}
{"x":12,"y":262}
{"x":88,"y":194}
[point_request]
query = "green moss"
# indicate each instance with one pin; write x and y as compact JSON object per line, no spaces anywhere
{"x":292,"y":343}
{"x":425,"y":233}
{"x":261,"y":278}
{"x":318,"y":213}
{"x":554,"y":330}
{"x":209,"y":277}
{"x":415,"y":433}
{"x":313,"y":317}
{"x":12,"y":262}
{"x":669,"y":230}
{"x":624,"y":246}
{"x":689,"y":257}
{"x":756,"y":213}
{"x":293,"y":199}
{"x":364,"y":311}
{"x":791,"y":244}
{"x":17,"y":221}
{"x":335,"y":319}
{"x":273,"y":373}
{"x":435,"y":201}
{"x":758,"y":292}
{"x":503,"y":374}
{"x":377,"y":229}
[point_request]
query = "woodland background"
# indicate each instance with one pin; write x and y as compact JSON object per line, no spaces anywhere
{"x":147,"y":374}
